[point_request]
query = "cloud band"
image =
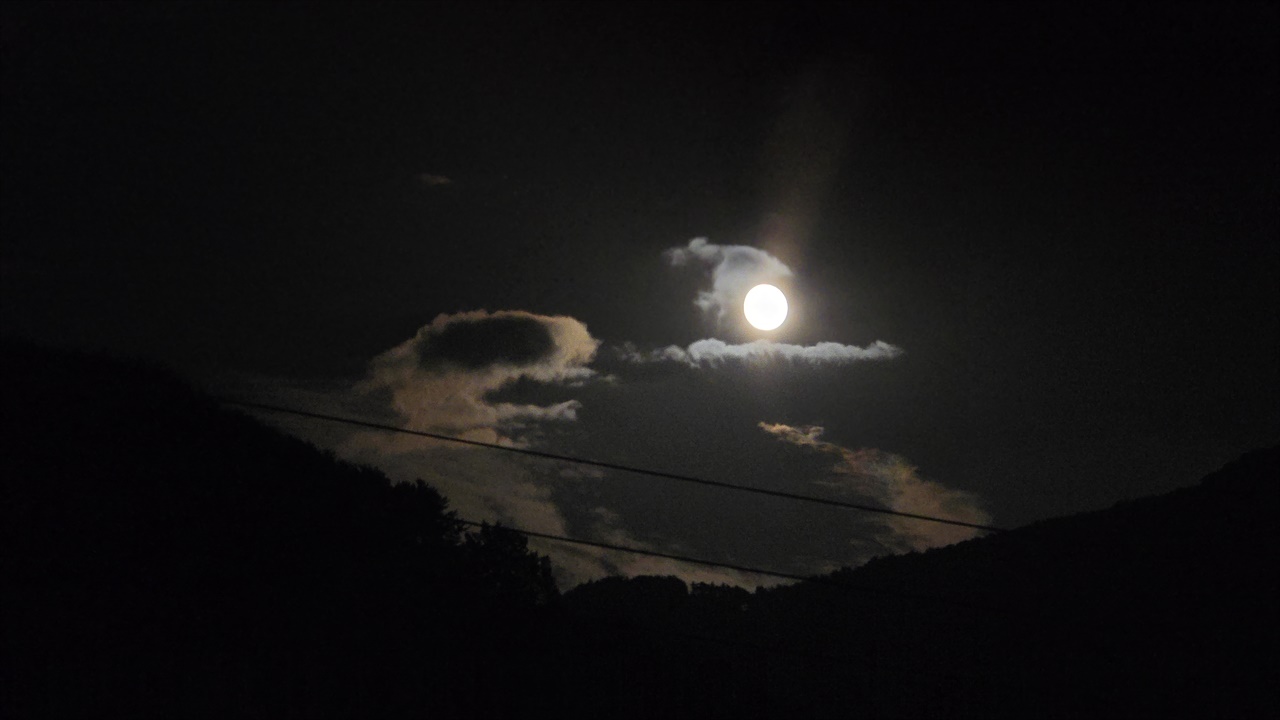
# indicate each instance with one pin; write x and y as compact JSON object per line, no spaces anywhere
{"x":711,"y":352}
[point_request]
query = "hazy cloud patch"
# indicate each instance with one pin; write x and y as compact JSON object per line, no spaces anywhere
{"x":893,"y":482}
{"x":576,"y":564}
{"x":711,"y":352}
{"x":734,"y":270}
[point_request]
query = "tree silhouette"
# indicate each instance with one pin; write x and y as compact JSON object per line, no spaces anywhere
{"x":500,"y":561}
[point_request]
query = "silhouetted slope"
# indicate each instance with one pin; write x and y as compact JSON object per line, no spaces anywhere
{"x":1158,"y":607}
{"x":1161,"y":607}
{"x":166,"y":557}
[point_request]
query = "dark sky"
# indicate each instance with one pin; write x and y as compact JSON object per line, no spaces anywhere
{"x":1064,"y":216}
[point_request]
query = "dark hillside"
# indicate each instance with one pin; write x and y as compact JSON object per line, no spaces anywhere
{"x":1160,"y":607}
{"x":166,"y":557}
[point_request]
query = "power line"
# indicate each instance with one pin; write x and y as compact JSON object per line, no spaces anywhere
{"x":815,"y":579}
{"x":819,"y":580}
{"x":614,"y":466}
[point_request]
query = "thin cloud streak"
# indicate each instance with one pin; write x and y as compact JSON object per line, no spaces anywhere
{"x":711,"y":352}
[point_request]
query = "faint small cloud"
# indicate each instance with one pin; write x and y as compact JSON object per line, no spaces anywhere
{"x":431,"y":180}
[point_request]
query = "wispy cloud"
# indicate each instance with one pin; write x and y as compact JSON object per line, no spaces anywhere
{"x":893,"y":482}
{"x":711,"y":352}
{"x":734,"y":270}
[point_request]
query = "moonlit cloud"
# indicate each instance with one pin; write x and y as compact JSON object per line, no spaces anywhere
{"x":480,"y":484}
{"x":735,"y":269}
{"x":444,"y":379}
{"x":711,"y":352}
{"x":893,"y":482}
{"x":439,"y":380}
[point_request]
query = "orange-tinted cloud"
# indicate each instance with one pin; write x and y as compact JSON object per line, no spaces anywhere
{"x":893,"y":482}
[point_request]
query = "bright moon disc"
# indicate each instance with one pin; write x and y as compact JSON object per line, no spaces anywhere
{"x":765,"y":307}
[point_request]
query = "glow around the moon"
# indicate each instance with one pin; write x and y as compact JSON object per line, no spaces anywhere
{"x":765,"y":307}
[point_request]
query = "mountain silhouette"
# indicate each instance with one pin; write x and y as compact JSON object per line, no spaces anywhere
{"x":164,"y":556}
{"x":1163,"y":606}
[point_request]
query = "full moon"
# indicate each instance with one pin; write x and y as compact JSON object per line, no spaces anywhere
{"x":765,"y":307}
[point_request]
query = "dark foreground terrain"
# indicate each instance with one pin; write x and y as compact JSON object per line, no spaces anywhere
{"x":166,"y":557}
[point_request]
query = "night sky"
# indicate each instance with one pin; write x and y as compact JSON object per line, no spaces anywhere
{"x":1031,"y":252}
